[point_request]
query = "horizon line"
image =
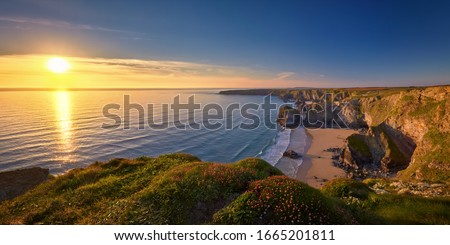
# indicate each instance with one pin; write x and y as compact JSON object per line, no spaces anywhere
{"x":134,"y":88}
{"x":137,"y":88}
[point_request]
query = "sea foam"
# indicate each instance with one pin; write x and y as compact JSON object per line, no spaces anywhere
{"x":275,"y":152}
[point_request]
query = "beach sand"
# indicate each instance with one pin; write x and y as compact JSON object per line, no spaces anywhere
{"x":316,"y":166}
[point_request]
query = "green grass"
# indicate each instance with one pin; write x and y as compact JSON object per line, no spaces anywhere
{"x":87,"y":195}
{"x":372,"y":208}
{"x":192,"y":193}
{"x":402,"y":209}
{"x":180,"y":189}
{"x":174,"y":188}
{"x":438,"y":138}
{"x":342,"y":187}
{"x":407,"y":99}
{"x":427,"y":108}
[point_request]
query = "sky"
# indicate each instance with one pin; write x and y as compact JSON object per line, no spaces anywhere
{"x":225,"y":44}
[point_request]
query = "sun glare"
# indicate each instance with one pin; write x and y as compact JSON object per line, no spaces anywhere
{"x":58,"y":65}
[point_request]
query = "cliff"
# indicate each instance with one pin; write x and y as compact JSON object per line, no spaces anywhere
{"x":17,"y":182}
{"x":405,"y":132}
{"x":411,"y":131}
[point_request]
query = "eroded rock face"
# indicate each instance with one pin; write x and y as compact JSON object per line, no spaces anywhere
{"x":332,"y":111}
{"x":352,"y":157}
{"x":350,"y":114}
{"x":406,"y":129}
{"x":410,"y":130}
{"x":17,"y":182}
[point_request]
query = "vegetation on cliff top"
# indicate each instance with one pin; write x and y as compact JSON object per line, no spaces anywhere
{"x":281,"y":200}
{"x":346,"y":188}
{"x":174,"y":188}
{"x":180,"y":189}
{"x":192,"y":193}
{"x":373,"y":208}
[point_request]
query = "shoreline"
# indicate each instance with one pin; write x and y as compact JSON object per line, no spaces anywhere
{"x":299,"y":142}
{"x":275,"y":152}
{"x":315,"y":167}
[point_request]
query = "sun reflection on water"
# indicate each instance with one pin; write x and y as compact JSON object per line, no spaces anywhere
{"x":64,"y":125}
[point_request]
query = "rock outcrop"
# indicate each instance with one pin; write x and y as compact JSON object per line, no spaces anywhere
{"x":15,"y":183}
{"x":291,"y":154}
{"x":411,"y":126}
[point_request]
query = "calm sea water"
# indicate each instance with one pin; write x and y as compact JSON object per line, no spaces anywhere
{"x":62,"y":130}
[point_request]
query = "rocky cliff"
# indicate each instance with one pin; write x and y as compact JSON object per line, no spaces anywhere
{"x":404,"y":131}
{"x":17,"y":182}
{"x":413,"y":127}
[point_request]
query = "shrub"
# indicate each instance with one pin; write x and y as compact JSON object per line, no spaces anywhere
{"x":346,"y":188}
{"x":281,"y":200}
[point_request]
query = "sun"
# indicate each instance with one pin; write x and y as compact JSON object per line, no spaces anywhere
{"x":58,"y":65}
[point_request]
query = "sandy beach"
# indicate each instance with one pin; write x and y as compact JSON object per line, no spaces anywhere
{"x":316,"y":166}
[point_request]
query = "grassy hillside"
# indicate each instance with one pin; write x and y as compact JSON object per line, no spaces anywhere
{"x":388,"y":208}
{"x":180,"y":189}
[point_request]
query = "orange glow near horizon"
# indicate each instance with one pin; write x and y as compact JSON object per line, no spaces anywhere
{"x":26,"y":71}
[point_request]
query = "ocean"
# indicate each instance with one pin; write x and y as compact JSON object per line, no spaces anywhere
{"x":62,"y":130}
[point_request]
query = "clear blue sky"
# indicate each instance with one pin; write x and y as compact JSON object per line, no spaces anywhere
{"x":355,"y":43}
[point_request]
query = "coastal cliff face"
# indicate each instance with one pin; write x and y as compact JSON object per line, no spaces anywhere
{"x":414,"y":128}
{"x":408,"y":132}
{"x":404,"y":131}
{"x":325,"y":107}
